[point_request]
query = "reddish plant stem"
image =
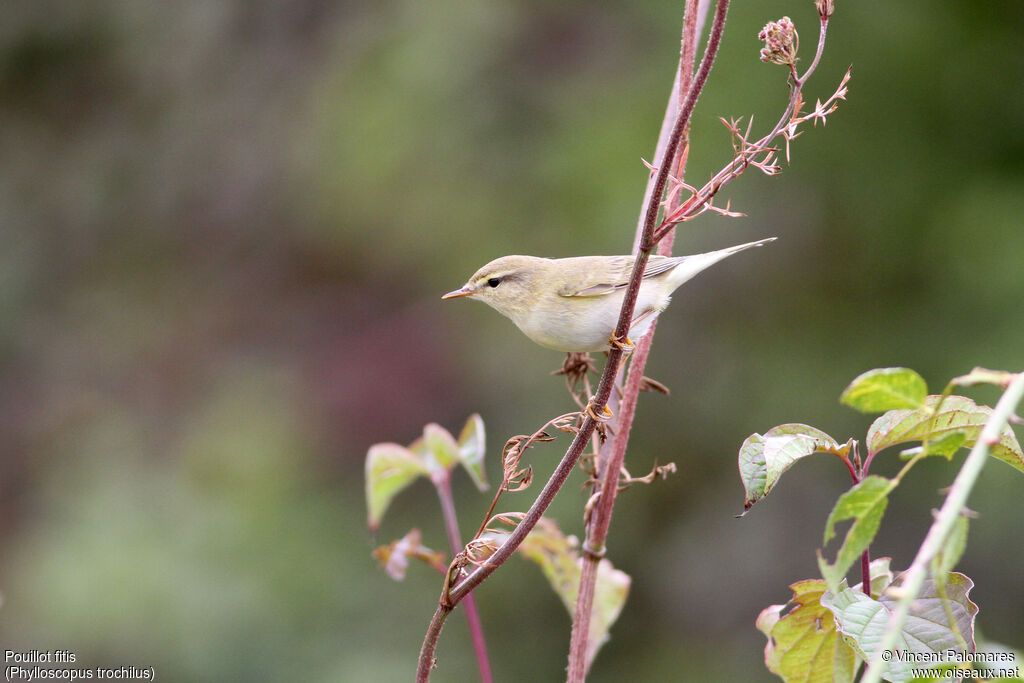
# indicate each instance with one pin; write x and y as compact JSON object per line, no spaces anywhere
{"x":685,"y":112}
{"x":426,"y":661}
{"x":600,"y":401}
{"x":817,"y":53}
{"x":443,"y":484}
{"x":673,"y":158}
{"x":857,"y":474}
{"x":696,"y":204}
{"x":533,"y":515}
{"x":865,"y":571}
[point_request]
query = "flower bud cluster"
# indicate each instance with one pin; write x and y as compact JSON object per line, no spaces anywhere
{"x":781,"y":42}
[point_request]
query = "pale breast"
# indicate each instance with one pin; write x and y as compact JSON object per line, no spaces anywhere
{"x":588,"y":322}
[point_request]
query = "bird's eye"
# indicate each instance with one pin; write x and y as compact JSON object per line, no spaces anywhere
{"x":494,"y":282}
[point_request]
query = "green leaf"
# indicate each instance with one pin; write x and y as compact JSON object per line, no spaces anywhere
{"x":1000,"y":378}
{"x":763,"y":459}
{"x":865,"y":504}
{"x":946,"y":445}
{"x":998,"y":663}
{"x":822,"y":440}
{"x":389,"y":469}
{"x":926,"y":637}
{"x":472,"y":447}
{"x":881,"y":575}
{"x":442,"y":449}
{"x":803,"y":645}
{"x":876,"y":391}
{"x":956,"y":414}
{"x":558,"y":559}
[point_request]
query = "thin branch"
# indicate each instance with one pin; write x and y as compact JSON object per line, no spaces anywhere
{"x":443,"y":484}
{"x":858,"y":475}
{"x":685,"y":112}
{"x":427,"y":659}
{"x":512,"y":474}
{"x":649,"y":234}
{"x":939,"y":531}
{"x":700,"y":200}
{"x":674,"y":158}
{"x":817,"y":53}
{"x":604,"y":389}
{"x":675,"y":213}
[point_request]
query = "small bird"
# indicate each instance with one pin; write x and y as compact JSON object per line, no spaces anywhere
{"x":572,"y":304}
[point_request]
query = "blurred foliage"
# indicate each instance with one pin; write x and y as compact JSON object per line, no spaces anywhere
{"x":226,"y":227}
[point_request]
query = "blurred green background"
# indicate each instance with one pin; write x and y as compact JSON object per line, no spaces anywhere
{"x":226,"y":227}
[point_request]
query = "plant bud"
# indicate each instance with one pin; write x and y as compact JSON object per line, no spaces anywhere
{"x":780,"y":41}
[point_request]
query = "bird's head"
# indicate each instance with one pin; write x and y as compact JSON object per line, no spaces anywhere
{"x":510,"y":284}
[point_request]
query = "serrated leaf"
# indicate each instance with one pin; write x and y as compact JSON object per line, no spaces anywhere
{"x":876,"y":391}
{"x":803,"y":644}
{"x":472,"y":447}
{"x":822,"y":440}
{"x":558,"y":559}
{"x":927,"y":633}
{"x":956,"y":414}
{"x":442,"y":449}
{"x":389,"y":469}
{"x":763,"y":459}
{"x":865,"y":504}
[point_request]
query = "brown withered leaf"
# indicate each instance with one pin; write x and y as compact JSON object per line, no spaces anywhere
{"x":657,"y":472}
{"x":394,"y":557}
{"x":649,"y":384}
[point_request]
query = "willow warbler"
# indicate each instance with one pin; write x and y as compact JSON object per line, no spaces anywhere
{"x":572,"y":304}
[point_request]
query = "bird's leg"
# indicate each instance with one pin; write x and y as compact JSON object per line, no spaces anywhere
{"x":605,"y":415}
{"x":642,"y":317}
{"x":625,"y":345}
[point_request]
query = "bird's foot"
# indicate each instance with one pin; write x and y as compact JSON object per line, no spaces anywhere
{"x":625,"y":345}
{"x":605,"y":415}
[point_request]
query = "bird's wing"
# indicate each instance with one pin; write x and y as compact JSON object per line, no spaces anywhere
{"x":599,"y":275}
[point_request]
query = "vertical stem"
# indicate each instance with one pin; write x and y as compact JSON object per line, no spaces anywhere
{"x":857,"y":473}
{"x":426,"y":661}
{"x":443,"y":484}
{"x":599,"y":402}
{"x":943,"y":524}
{"x":865,"y":571}
{"x":674,"y":157}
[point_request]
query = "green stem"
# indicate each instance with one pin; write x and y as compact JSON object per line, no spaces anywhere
{"x":914,"y":577}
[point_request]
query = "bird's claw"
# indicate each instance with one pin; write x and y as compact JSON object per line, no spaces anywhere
{"x":606,"y":413}
{"x":625,"y":345}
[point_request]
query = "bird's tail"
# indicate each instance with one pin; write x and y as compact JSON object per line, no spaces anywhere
{"x":691,"y":265}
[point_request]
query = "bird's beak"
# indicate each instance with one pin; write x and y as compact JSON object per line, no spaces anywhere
{"x":465,"y":291}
